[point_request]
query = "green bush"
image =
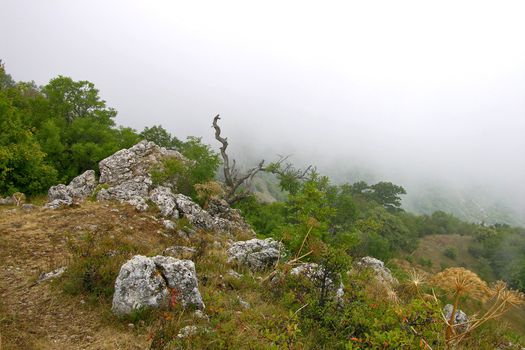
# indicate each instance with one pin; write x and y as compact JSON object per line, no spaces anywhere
{"x":200,"y":168}
{"x":95,"y":266}
{"x":450,"y":253}
{"x":424,"y":262}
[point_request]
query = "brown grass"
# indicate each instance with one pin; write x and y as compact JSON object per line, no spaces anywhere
{"x":432,"y":247}
{"x":41,"y":316}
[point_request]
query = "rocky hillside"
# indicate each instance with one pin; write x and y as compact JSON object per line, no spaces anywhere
{"x":123,"y":262}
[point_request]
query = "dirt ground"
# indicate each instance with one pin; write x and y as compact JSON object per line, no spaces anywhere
{"x":41,"y":316}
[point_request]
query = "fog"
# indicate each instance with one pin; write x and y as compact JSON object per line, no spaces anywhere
{"x":413,"y":92}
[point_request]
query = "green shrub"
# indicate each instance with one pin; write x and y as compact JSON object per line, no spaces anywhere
{"x":99,"y":187}
{"x":450,"y":253}
{"x":95,"y":266}
{"x":200,"y":168}
{"x":424,"y":262}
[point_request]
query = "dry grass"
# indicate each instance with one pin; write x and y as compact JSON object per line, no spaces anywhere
{"x":432,"y":247}
{"x":40,"y":316}
{"x":43,"y":316}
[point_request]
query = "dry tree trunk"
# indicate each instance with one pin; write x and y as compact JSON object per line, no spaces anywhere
{"x":234,"y":180}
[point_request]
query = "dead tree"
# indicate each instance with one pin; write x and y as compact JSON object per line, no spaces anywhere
{"x":238,"y":183}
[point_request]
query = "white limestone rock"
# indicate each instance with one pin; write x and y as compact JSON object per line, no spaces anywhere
{"x":77,"y":191}
{"x":190,"y":210}
{"x":127,"y":173}
{"x":165,"y":201}
{"x":257,"y":254}
{"x":383,"y":273}
{"x":146,"y":282}
{"x":316,"y":274}
{"x":139,"y":285}
{"x":460,"y":318}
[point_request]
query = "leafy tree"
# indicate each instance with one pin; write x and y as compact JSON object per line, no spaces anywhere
{"x":342,"y":201}
{"x":390,"y":227}
{"x":388,"y":195}
{"x":160,"y":136}
{"x":517,"y":278}
{"x":22,"y":166}
{"x":359,"y":188}
{"x":70,"y":100}
{"x":6,"y":81}
{"x":311,"y":202}
{"x":265,"y":218}
{"x":206,"y":162}
{"x":126,"y":137}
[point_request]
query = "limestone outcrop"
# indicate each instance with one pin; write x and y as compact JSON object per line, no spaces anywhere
{"x":125,"y":176}
{"x":127,"y":173}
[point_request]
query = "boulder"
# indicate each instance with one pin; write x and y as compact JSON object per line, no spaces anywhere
{"x":58,"y":196}
{"x":382,"y":273}
{"x":78,"y":190}
{"x":7,"y":201}
{"x":28,"y":207}
{"x":180,"y":276}
{"x":168,"y":224}
{"x":149,"y":282}
{"x":83,"y":185}
{"x":256,"y":254}
{"x":228,"y":219}
{"x":127,"y":173}
{"x":133,"y":193}
{"x":460,"y":318}
{"x":234,"y":274}
{"x":316,"y":274}
{"x":243,"y":303}
{"x":187,"y":331}
{"x":138,"y":285}
{"x":133,"y":164}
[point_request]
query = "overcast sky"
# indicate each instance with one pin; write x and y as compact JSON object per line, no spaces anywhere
{"x":409,"y":89}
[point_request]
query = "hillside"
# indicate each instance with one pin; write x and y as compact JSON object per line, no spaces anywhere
{"x":40,"y":315}
{"x":139,"y":244}
{"x":55,"y":315}
{"x":472,"y":205}
{"x":431,"y":256}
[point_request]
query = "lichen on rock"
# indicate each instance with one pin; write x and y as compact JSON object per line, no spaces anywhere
{"x":256,"y":254}
{"x":77,"y":191}
{"x":148,"y":282}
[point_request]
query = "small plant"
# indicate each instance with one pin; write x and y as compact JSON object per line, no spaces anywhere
{"x":171,"y":171}
{"x":450,"y":253}
{"x":424,"y":262}
{"x":19,"y":198}
{"x":99,"y":188}
{"x":207,"y":191}
{"x":95,"y":265}
{"x":460,"y":282}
